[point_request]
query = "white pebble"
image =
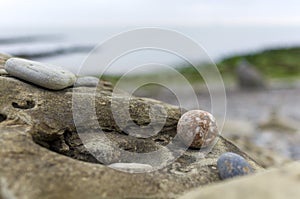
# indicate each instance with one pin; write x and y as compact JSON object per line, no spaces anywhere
{"x":44,"y":75}
{"x":131,"y":167}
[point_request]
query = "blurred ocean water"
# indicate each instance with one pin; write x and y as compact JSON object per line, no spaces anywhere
{"x":69,"y":47}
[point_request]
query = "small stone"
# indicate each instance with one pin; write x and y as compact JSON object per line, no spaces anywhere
{"x":131,"y":167}
{"x":3,"y":72}
{"x":197,"y":129}
{"x":87,"y":81}
{"x":231,"y":165}
{"x":103,"y":151}
{"x":44,"y":75}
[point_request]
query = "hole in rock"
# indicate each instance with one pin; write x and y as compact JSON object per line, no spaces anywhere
{"x":159,"y":140}
{"x":100,"y":152}
{"x":146,"y":123}
{"x":68,"y":144}
{"x":2,"y":117}
{"x":29,"y":104}
{"x":185,"y":160}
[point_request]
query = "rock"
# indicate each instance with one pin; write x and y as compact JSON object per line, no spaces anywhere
{"x":86,"y":82}
{"x":52,"y":175}
{"x":3,"y":59}
{"x":132,"y":167}
{"x":102,"y":151}
{"x":249,"y":77}
{"x":231,"y":165}
{"x":272,"y":184}
{"x":43,"y":156}
{"x":197,"y":129}
{"x":3,"y":72}
{"x":44,"y":75}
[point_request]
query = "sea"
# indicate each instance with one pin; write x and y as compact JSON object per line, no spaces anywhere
{"x":70,"y":47}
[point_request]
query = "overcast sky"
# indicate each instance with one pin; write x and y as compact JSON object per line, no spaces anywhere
{"x":149,"y":12}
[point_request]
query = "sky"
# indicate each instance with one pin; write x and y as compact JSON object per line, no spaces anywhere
{"x":148,"y":12}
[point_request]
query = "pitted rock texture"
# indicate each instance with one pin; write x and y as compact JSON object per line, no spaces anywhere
{"x":3,"y":59}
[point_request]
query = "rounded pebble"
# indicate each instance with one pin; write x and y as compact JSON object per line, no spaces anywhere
{"x":231,"y":165}
{"x":44,"y":75}
{"x":197,"y":129}
{"x":87,"y":81}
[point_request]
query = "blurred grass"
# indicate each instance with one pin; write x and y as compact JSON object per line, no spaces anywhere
{"x":273,"y":64}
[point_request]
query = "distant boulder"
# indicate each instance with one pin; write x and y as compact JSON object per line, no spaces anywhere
{"x":248,"y":76}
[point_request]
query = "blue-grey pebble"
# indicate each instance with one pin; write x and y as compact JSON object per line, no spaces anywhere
{"x":231,"y":164}
{"x":44,"y":75}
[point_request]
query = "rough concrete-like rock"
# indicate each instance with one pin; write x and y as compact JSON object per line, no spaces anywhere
{"x":3,"y":59}
{"x":28,"y":170}
{"x":45,"y":75}
{"x":273,"y":184}
{"x":42,"y":155}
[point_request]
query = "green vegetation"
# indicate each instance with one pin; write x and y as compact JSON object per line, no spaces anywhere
{"x":273,"y":64}
{"x":278,"y":63}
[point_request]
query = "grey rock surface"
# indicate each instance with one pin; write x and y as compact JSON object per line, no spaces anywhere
{"x":87,"y":81}
{"x":44,"y":75}
{"x":43,"y":156}
{"x":273,"y":184}
{"x":3,"y":59}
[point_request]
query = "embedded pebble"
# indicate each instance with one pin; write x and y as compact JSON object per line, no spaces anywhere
{"x":102,"y":150}
{"x":87,"y":81}
{"x":44,"y":75}
{"x":231,"y":165}
{"x":131,"y":167}
{"x":3,"y":72}
{"x":197,"y":129}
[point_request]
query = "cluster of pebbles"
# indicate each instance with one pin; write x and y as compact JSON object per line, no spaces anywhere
{"x":45,"y":75}
{"x":197,"y":129}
